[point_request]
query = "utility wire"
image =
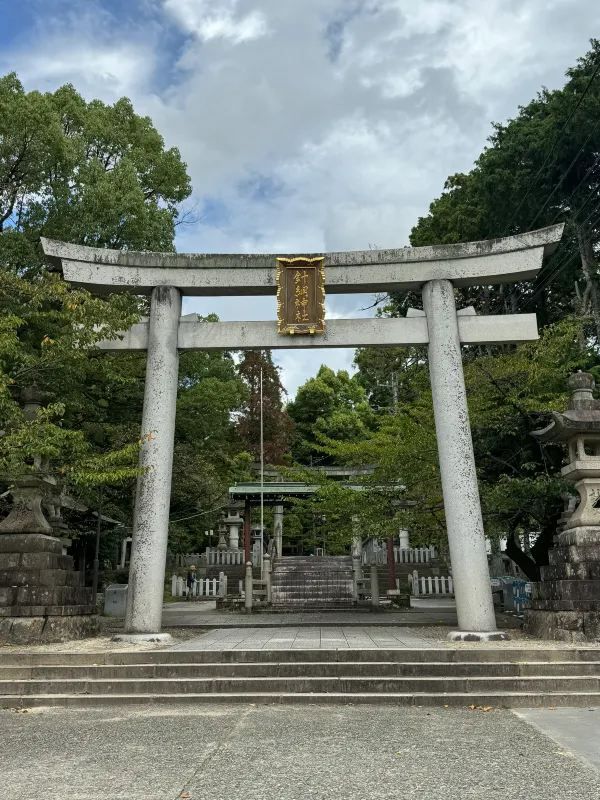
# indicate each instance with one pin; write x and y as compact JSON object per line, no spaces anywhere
{"x":550,"y":152}
{"x":564,"y":175}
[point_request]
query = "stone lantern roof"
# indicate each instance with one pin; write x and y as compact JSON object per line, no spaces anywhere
{"x":581,"y":417}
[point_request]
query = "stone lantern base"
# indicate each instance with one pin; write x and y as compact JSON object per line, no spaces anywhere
{"x":41,"y":596}
{"x":566,"y":603}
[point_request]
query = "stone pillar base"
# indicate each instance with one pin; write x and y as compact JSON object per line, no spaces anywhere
{"x":41,"y":630}
{"x":478,"y":636}
{"x":563,"y":626}
{"x":41,"y":596}
{"x":140,"y":638}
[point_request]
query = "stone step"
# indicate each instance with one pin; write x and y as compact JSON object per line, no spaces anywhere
{"x":339,"y":669}
{"x":420,"y":656}
{"x":314,"y":603}
{"x":303,"y":579}
{"x":304,"y":685}
{"x":313,"y":590}
{"x":459,"y":699}
{"x":313,"y":574}
{"x":314,"y":559}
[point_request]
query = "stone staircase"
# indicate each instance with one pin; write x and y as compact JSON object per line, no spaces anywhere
{"x":419,"y":677}
{"x":312,"y":582}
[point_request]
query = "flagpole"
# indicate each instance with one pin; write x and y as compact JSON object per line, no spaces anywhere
{"x":262,"y":474}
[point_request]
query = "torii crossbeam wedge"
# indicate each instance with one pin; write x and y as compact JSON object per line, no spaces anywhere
{"x":434,"y":271}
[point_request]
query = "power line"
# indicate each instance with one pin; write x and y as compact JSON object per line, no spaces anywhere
{"x":564,"y":262}
{"x":564,"y":175}
{"x":558,"y":135}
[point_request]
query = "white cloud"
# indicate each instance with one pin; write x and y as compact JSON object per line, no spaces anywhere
{"x":211,"y":19}
{"x":105,"y":71}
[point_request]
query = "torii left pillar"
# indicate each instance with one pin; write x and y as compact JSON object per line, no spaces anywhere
{"x":151,"y":516}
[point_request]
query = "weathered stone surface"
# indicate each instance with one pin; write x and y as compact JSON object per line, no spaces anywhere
{"x":498,"y":260}
{"x":583,"y":536}
{"x":462,"y":506}
{"x":26,"y":515}
{"x":564,"y":626}
{"x":28,"y":630}
{"x":47,"y":611}
{"x":38,"y":582}
{"x":41,"y":577}
{"x":379,"y":332}
{"x":572,"y":590}
{"x":52,"y":595}
{"x":574,"y":553}
{"x":44,"y":561}
{"x":29,"y":543}
{"x":151,"y":518}
{"x":566,"y":602}
{"x":582,"y":570}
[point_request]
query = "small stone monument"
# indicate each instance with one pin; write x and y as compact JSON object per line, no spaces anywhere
{"x":566,"y":602}
{"x":222,"y":544}
{"x":41,"y":595}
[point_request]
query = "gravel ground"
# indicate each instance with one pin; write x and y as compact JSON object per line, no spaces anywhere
{"x":288,"y":753}
{"x":518,"y":639}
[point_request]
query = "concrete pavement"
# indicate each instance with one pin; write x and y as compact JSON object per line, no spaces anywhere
{"x":302,"y":638}
{"x":251,"y":752}
{"x":576,"y":729}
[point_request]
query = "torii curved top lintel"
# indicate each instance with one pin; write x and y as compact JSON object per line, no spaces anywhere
{"x":505,"y":260}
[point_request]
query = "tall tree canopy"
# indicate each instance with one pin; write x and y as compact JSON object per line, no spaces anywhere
{"x":99,"y":175}
{"x":277,"y":425}
{"x":540,"y":168}
{"x":331,"y":405}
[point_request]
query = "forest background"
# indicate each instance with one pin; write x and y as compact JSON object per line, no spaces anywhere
{"x":100,"y":175}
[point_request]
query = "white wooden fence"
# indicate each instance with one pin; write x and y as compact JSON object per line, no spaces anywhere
{"x":436,"y":584}
{"x":187,"y":559}
{"x":201,"y":587}
{"x":414,"y":555}
{"x":375,"y":552}
{"x":215,"y":557}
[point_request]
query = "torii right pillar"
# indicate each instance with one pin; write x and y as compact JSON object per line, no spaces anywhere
{"x":466,"y":539}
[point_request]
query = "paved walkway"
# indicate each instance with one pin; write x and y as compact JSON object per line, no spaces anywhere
{"x":577,"y":729}
{"x":297,"y":638}
{"x":204,"y":615}
{"x":247,"y":752}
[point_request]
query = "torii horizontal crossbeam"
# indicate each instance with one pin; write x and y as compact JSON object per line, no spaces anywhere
{"x":513,"y":258}
{"x":370,"y":332}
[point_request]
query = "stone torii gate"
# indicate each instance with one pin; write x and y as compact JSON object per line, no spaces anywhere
{"x":435,"y":271}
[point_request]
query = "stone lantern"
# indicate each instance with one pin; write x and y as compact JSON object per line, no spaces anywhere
{"x":566,"y":603}
{"x":41,"y":596}
{"x":222,"y":543}
{"x":234,"y":522}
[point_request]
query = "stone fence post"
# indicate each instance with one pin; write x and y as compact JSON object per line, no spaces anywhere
{"x":267,"y":573}
{"x":248,"y":587}
{"x":374,"y":586}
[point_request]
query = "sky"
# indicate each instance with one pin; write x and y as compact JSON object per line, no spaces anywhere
{"x":306,"y":125}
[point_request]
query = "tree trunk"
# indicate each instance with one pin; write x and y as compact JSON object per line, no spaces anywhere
{"x":588,"y":267}
{"x":538,"y":555}
{"x":524,"y":562}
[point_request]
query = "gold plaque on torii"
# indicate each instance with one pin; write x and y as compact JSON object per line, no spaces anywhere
{"x":301,"y":295}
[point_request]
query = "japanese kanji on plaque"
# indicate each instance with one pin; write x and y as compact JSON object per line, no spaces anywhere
{"x":301,"y":295}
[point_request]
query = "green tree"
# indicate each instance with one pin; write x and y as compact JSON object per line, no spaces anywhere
{"x":92,"y":174}
{"x":509,"y":394}
{"x":332,"y":405}
{"x":277,"y":425}
{"x":540,"y":168}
